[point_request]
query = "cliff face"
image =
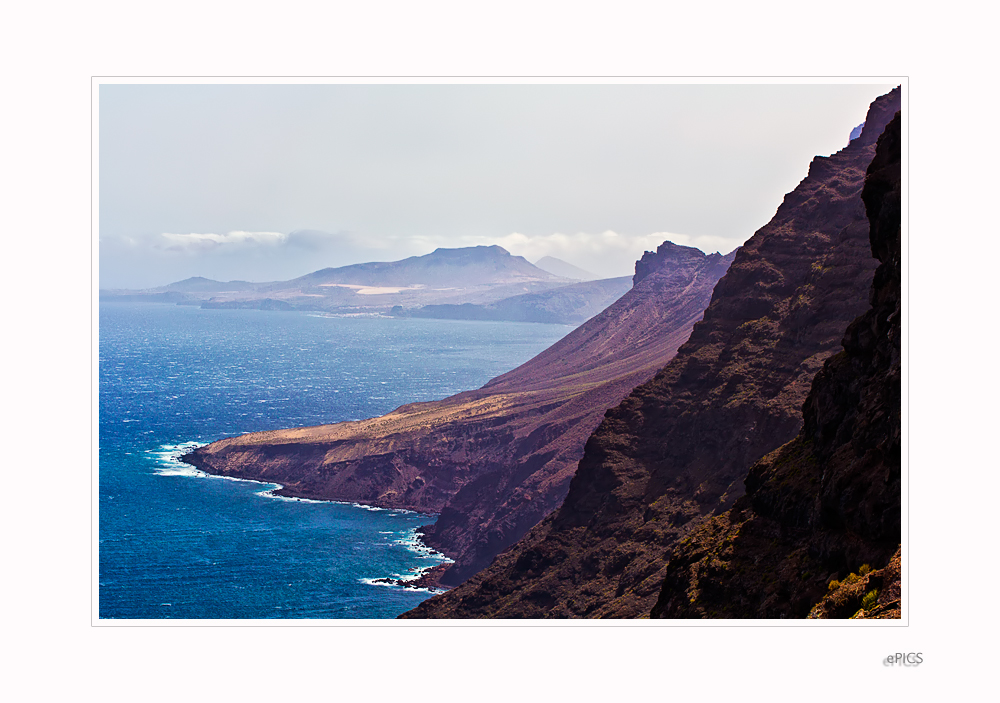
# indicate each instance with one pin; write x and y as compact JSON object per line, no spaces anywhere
{"x":824,"y":509}
{"x":675,"y":451}
{"x":493,"y":461}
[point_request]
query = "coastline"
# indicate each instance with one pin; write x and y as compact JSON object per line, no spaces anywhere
{"x":422,"y":578}
{"x":427,"y":579}
{"x":191,"y":458}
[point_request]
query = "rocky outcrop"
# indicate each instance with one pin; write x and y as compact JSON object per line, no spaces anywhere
{"x":865,"y":594}
{"x":494,"y":461}
{"x":676,"y":450}
{"x":825,"y":508}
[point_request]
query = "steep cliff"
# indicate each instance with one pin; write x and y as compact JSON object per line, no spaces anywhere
{"x":676,"y":450}
{"x":824,"y":509}
{"x":493,"y":461}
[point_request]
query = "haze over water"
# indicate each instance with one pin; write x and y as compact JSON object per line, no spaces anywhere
{"x":177,"y":544}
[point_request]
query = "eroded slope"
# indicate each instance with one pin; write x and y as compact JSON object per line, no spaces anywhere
{"x":675,"y":451}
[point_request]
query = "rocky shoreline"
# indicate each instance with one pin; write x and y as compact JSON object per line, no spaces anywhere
{"x":429,"y":579}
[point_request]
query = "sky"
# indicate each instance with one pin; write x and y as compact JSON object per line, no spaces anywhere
{"x":269,"y":182}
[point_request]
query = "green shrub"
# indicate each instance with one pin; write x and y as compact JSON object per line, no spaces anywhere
{"x":870,"y":600}
{"x":865,"y":568}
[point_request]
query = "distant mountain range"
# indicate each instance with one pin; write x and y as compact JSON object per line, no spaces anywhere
{"x":478,"y":283}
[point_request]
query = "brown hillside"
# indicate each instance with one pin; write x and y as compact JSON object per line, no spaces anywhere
{"x":675,"y":451}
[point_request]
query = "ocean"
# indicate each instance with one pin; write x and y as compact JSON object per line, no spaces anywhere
{"x":175,"y":543}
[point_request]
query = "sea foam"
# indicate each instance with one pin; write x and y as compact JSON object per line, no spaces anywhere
{"x":168,"y":460}
{"x":411,"y":541}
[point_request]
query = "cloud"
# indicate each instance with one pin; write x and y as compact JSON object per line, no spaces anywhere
{"x":152,"y":259}
{"x":198,"y":242}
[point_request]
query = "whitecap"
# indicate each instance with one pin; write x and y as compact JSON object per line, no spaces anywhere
{"x":168,"y":460}
{"x":409,"y":589}
{"x":270,"y":493}
{"x":375,"y":582}
{"x":411,"y":541}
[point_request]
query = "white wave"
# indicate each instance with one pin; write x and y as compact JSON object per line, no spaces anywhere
{"x":411,"y":542}
{"x":168,"y":460}
{"x":270,"y":493}
{"x":376,"y":582}
{"x":393,"y":512}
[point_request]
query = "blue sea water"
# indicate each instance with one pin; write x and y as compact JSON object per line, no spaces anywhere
{"x":174,"y":543}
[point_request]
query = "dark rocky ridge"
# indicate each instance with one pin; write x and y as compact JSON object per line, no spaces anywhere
{"x":824,"y":505}
{"x":675,"y":451}
{"x":493,"y":461}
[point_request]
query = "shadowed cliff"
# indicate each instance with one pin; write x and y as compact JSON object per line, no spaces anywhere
{"x":676,"y":450}
{"x":493,"y":461}
{"x":823,"y":510}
